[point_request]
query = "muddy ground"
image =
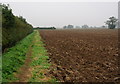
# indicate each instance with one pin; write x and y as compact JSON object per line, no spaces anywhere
{"x":83,"y":55}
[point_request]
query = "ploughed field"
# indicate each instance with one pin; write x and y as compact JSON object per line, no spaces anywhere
{"x":82,"y":55}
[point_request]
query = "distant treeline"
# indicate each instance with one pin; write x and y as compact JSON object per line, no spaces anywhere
{"x":14,"y":28}
{"x":45,"y":28}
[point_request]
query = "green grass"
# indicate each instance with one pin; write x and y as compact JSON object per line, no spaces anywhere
{"x":40,"y":53}
{"x":14,"y":58}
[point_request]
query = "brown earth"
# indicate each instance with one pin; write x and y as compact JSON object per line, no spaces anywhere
{"x":83,"y":55}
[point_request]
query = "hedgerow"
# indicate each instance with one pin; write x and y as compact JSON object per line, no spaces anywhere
{"x":14,"y":28}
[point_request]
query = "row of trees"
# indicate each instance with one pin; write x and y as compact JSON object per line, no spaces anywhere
{"x":83,"y":26}
{"x":44,"y":28}
{"x":14,"y":28}
{"x":69,"y":26}
{"x":111,"y":23}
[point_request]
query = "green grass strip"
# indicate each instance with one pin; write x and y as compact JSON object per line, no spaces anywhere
{"x":40,"y":60}
{"x":14,"y":58}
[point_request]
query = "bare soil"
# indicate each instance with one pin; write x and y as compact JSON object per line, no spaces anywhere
{"x":83,"y":55}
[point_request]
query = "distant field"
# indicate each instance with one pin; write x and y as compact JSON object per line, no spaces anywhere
{"x":83,"y":54}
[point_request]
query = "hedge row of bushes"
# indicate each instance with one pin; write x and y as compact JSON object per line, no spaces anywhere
{"x":14,"y":28}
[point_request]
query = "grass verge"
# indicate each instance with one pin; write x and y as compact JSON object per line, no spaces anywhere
{"x":14,"y":58}
{"x":39,"y":63}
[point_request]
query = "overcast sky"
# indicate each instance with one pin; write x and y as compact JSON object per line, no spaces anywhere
{"x":59,"y":14}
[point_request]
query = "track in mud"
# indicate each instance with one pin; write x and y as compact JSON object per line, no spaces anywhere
{"x":82,"y":55}
{"x":25,"y":71}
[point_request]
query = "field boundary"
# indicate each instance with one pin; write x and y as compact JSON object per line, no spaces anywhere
{"x":40,"y":63}
{"x":14,"y":58}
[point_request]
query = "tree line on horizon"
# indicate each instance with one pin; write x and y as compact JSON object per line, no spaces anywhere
{"x":111,"y":24}
{"x":44,"y":28}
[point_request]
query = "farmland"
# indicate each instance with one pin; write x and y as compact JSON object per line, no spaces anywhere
{"x":83,"y":55}
{"x":75,"y":51}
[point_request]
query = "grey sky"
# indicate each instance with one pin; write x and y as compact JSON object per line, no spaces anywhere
{"x":59,"y":14}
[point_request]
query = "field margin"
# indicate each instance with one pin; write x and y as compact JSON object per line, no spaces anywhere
{"x":40,"y":63}
{"x":14,"y":58}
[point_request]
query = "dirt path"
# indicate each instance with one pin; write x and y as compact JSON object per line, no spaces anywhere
{"x":36,"y":73}
{"x":25,"y":71}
